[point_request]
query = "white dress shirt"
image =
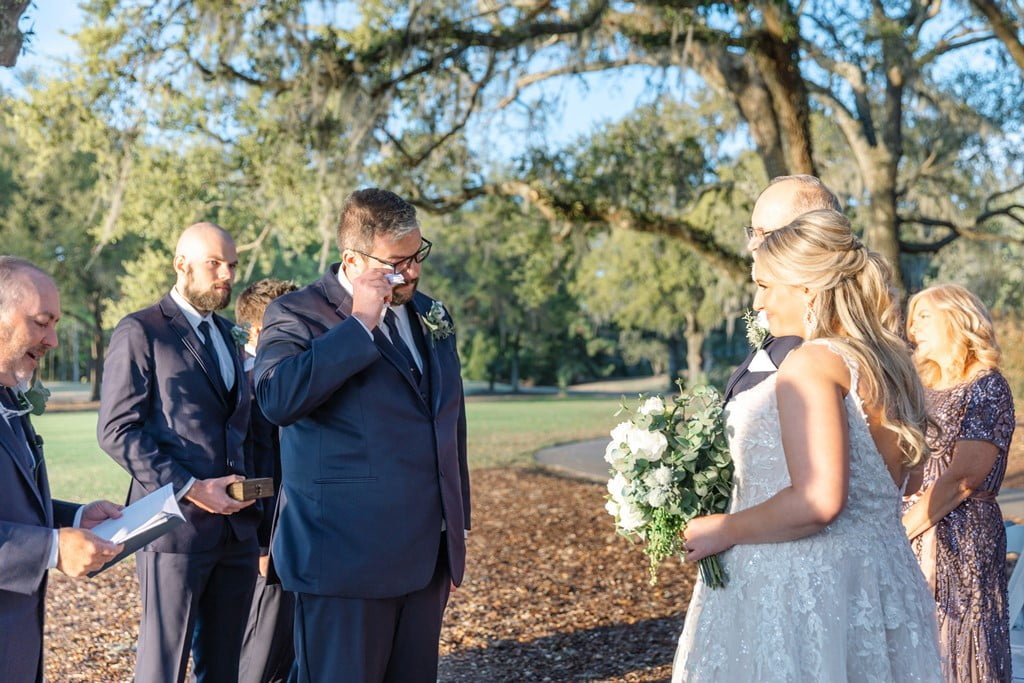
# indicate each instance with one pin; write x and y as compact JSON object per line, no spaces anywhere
{"x":224,"y":359}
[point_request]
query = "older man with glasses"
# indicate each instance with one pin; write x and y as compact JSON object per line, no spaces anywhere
{"x":785,"y":198}
{"x":360,"y":370}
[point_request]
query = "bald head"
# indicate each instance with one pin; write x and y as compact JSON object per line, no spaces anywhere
{"x":205,"y":260}
{"x":785,"y":199}
{"x":198,"y":237}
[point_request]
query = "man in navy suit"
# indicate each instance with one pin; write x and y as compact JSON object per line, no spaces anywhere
{"x":174,"y":409}
{"x":36,"y":532}
{"x":785,"y":198}
{"x":363,"y":377}
{"x":267,"y":652}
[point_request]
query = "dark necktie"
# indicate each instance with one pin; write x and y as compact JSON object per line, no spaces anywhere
{"x":211,"y":350}
{"x":391,"y":320}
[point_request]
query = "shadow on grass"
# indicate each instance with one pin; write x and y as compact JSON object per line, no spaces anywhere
{"x":600,"y":654}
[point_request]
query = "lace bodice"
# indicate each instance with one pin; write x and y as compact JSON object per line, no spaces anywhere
{"x":755,"y":439}
{"x":847,"y":603}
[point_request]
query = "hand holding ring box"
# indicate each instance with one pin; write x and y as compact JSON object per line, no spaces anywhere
{"x":251,"y":489}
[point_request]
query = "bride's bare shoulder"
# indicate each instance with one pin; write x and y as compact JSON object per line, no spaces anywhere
{"x":813,"y":363}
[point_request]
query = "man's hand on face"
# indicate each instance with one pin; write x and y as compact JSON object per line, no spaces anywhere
{"x":212,"y":495}
{"x":371,"y":292}
{"x":80,"y":551}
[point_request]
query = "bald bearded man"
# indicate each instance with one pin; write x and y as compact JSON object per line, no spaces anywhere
{"x":174,"y":409}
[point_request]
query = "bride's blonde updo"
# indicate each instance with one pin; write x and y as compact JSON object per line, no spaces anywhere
{"x":853,"y":302}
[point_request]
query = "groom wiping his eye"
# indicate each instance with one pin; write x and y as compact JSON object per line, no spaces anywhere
{"x":785,"y":198}
{"x":361,"y":372}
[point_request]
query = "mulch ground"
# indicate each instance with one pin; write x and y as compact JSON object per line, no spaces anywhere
{"x":551,"y":594}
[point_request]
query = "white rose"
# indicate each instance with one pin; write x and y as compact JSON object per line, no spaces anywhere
{"x":652,"y":406}
{"x":630,"y":517}
{"x":647,"y":445}
{"x":657,"y":497}
{"x":614,"y":454}
{"x":621,"y":432}
{"x":617,"y":486}
{"x":612,"y":507}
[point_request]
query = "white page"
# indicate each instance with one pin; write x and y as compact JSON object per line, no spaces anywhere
{"x":141,"y":515}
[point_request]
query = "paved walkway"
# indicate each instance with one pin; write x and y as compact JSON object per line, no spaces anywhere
{"x":585,"y":460}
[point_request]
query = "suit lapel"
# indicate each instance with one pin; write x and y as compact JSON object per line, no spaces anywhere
{"x":421,"y":305}
{"x":394,"y":356}
{"x":190,"y":340}
{"x":9,"y":439}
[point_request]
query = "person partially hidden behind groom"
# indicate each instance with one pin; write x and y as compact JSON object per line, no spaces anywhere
{"x":785,"y":198}
{"x":36,"y":532}
{"x":363,"y":377}
{"x":174,"y":409}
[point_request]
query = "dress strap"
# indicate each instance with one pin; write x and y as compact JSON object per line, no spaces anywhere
{"x":842,"y":350}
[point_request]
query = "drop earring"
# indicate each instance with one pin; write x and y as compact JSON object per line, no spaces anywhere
{"x":810,"y":320}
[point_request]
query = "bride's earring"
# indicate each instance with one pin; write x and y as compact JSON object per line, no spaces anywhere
{"x":810,"y":320}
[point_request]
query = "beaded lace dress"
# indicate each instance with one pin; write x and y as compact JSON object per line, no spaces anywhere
{"x":847,"y":603}
{"x":969,"y":548}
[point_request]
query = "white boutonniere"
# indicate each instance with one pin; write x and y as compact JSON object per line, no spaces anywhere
{"x":240,"y":334}
{"x":757,"y":331}
{"x":437,"y":323}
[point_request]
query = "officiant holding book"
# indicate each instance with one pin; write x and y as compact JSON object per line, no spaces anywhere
{"x":37,"y":533}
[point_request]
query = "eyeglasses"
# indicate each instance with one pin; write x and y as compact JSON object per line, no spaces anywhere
{"x":403,"y":264}
{"x":753,"y":232}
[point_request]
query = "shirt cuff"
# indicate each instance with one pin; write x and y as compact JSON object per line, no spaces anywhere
{"x":184,"y":489}
{"x":54,"y":547}
{"x":368,"y":331}
{"x":78,"y":517}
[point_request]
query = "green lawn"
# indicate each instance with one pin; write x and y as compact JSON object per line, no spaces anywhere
{"x":501,"y":432}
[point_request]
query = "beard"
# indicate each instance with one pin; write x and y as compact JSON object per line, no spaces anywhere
{"x":402,"y":294}
{"x":212,"y":299}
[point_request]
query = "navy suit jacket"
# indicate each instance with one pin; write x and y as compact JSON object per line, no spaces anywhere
{"x":27,"y":517}
{"x":266,"y":449}
{"x":741,"y":380}
{"x":371,"y":465}
{"x":165,"y":418}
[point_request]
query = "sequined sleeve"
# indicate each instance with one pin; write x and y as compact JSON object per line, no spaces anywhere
{"x":989,"y":415}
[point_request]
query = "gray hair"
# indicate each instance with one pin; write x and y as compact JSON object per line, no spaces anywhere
{"x":12,"y":285}
{"x":813,"y":194}
{"x":372,"y":213}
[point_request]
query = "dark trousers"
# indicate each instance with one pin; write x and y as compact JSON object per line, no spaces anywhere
{"x":393,"y":640}
{"x":267,"y":651}
{"x":197,"y":602}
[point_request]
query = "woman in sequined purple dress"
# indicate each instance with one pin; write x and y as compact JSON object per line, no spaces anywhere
{"x":953,"y":520}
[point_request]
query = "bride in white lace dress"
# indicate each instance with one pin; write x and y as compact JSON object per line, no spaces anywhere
{"x":822,"y":584}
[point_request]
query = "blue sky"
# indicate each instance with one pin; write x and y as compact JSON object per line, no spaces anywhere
{"x":603,"y":99}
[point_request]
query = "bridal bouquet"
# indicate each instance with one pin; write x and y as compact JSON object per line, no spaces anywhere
{"x":670,"y":463}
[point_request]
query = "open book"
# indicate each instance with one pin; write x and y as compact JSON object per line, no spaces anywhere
{"x":141,"y":522}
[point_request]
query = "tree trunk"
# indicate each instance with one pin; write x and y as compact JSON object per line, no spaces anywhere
{"x":513,"y":372}
{"x":673,"y":346}
{"x":694,"y":348}
{"x":99,"y":346}
{"x":11,"y":37}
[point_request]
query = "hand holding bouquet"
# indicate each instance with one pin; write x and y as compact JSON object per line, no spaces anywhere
{"x":669,"y":464}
